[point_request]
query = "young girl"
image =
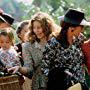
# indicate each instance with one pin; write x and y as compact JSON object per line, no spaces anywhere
{"x":22,"y":33}
{"x":8,"y":55}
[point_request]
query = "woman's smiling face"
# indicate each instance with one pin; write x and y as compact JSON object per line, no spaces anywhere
{"x":38,"y":30}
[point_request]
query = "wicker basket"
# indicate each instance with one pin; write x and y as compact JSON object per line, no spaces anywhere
{"x":10,"y":83}
{"x":27,"y":84}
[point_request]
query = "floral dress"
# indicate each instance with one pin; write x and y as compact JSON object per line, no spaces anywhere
{"x":32,"y":56}
{"x":9,"y":57}
{"x":71,"y":58}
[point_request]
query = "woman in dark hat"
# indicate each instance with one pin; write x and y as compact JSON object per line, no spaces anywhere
{"x":63,"y":58}
{"x":6,"y":20}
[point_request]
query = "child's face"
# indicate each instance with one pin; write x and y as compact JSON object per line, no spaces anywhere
{"x":5,"y":42}
{"x":38,"y":30}
{"x":24,"y":33}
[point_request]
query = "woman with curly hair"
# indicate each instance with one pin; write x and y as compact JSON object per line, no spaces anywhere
{"x":42,"y":28}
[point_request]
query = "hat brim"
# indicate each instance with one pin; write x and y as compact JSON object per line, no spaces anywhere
{"x":7,"y":18}
{"x":61,"y":18}
{"x":3,"y":19}
{"x":83,"y":22}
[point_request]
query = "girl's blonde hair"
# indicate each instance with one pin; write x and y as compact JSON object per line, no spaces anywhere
{"x":8,"y":32}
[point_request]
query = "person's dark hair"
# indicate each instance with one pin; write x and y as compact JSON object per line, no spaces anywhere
{"x":21,"y":26}
{"x":62,"y":37}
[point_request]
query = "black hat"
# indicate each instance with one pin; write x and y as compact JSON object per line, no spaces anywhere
{"x":74,"y":16}
{"x":2,"y":19}
{"x":7,"y":18}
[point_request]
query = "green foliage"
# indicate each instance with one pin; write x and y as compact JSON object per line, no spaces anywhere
{"x":55,"y":8}
{"x":87,"y":32}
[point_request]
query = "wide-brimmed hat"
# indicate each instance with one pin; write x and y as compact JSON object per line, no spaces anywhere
{"x":6,"y":18}
{"x":2,"y":19}
{"x":74,"y":16}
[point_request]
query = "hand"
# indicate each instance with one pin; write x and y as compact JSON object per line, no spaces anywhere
{"x":19,"y":54}
{"x":14,"y":70}
{"x":68,"y":73}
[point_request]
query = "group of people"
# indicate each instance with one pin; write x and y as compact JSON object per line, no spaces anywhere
{"x":51,"y":55}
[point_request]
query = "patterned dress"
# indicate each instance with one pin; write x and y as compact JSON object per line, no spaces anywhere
{"x":32,"y":56}
{"x":70,"y":59}
{"x":9,"y":57}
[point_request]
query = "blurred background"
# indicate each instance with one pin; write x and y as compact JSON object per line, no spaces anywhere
{"x":24,"y":9}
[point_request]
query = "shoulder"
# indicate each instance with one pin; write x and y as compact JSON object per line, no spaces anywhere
{"x":26,"y":44}
{"x":52,"y":43}
{"x":86,"y":43}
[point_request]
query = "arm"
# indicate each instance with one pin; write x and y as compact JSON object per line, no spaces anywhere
{"x":27,"y":70}
{"x":48,"y":57}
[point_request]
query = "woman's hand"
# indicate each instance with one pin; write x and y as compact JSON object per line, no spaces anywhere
{"x":14,"y":70}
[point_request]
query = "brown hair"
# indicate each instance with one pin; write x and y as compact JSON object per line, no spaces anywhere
{"x":21,"y":26}
{"x":8,"y":32}
{"x":62,"y":36}
{"x":47,"y":24}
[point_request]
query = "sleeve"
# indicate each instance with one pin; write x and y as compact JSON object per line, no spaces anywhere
{"x":27,"y":58}
{"x":48,"y":57}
